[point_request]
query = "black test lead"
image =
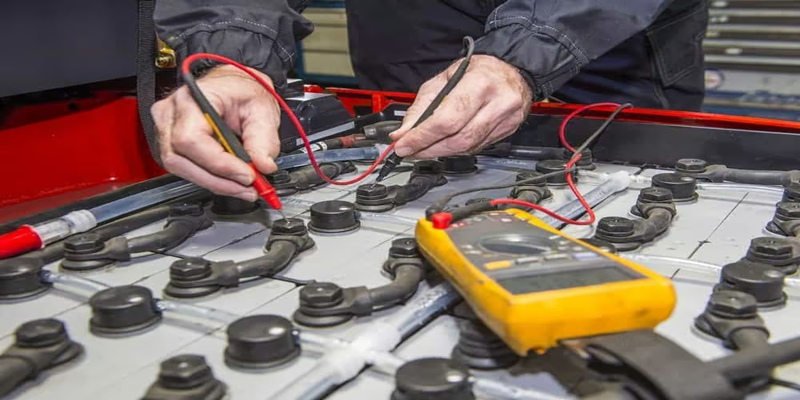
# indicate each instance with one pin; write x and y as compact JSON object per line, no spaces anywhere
{"x":393,"y":160}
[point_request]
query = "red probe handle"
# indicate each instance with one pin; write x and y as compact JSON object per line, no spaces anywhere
{"x":20,"y":240}
{"x":265,"y":190}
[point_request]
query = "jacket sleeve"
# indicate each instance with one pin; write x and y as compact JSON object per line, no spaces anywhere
{"x":550,"y":40}
{"x":258,"y":33}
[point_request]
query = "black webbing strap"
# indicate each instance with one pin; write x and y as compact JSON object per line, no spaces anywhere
{"x":651,"y":360}
{"x":146,"y":72}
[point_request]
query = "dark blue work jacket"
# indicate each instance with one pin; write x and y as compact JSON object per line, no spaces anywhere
{"x":647,"y":52}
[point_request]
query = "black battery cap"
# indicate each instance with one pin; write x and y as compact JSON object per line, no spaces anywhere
{"x":333,"y":216}
{"x":261,"y":341}
{"x":21,"y":278}
{"x":123,"y":310}
{"x":683,"y":187}
{"x":433,"y":379}
{"x":762,"y":281}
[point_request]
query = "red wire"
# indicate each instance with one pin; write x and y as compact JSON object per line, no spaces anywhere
{"x":198,"y":56}
{"x":562,"y":130}
{"x":562,"y":136}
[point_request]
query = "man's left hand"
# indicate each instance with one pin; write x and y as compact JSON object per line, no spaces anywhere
{"x":489,"y":103}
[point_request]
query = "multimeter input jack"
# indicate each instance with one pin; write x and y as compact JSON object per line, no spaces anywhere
{"x":88,"y":251}
{"x":328,"y":304}
{"x":305,"y":178}
{"x":380,"y":198}
{"x":655,"y":206}
{"x":191,"y":278}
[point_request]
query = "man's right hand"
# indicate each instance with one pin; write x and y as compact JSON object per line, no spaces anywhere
{"x":187,"y":143}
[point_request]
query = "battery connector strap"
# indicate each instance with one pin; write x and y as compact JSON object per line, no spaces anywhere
{"x":649,"y":362}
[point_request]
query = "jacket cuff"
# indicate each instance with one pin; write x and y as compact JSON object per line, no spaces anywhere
{"x":543,"y":61}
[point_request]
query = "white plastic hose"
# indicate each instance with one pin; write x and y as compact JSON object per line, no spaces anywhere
{"x":73,"y":281}
{"x":299,"y":160}
{"x":616,"y":182}
{"x":740,"y":187}
{"x":343,"y":364}
{"x":506,"y":163}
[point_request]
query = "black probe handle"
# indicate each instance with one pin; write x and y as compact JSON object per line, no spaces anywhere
{"x":227,"y":133}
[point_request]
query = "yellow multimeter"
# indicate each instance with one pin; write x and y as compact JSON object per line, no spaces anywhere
{"x":534,"y":286}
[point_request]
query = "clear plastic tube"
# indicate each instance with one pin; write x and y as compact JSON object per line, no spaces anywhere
{"x":595,"y":176}
{"x":502,"y":390}
{"x":388,"y":363}
{"x":192,"y":310}
{"x":390,"y":218}
{"x":67,"y":225}
{"x":616,"y":182}
{"x":73,"y":281}
{"x":792,"y":284}
{"x":299,"y":160}
{"x":364,"y":216}
{"x":682,"y":263}
{"x":506,"y":163}
{"x":740,"y":187}
{"x":313,"y":339}
{"x":343,"y":364}
{"x":141,"y":200}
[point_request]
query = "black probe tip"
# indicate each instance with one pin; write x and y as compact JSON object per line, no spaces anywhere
{"x":391,"y":162}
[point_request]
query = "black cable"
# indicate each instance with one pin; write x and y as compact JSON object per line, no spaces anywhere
{"x":393,"y":160}
{"x":451,"y":83}
{"x":599,"y":131}
{"x":786,"y":384}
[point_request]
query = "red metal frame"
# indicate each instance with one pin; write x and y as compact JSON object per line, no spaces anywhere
{"x":377,"y":101}
{"x":67,"y":156}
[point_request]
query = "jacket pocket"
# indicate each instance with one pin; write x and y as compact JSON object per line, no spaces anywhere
{"x":677,"y":43}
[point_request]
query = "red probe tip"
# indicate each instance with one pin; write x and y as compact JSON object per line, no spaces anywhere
{"x":265,"y":190}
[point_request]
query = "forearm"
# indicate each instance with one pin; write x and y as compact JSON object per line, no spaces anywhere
{"x":550,"y":40}
{"x":258,"y":33}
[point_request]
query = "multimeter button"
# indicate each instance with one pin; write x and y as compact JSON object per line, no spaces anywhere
{"x":506,"y":219}
{"x":555,"y":257}
{"x":528,"y":260}
{"x":472,"y":252}
{"x":467,"y":246}
{"x":577,"y":248}
{"x":564,"y":248}
{"x":586,"y":255}
{"x":497,"y":264}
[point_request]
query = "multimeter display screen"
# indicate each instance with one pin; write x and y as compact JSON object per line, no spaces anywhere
{"x":517,"y":244}
{"x":566,"y":279}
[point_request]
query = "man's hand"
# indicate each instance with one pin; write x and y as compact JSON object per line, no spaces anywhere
{"x":189,"y":148}
{"x":488,"y":104}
